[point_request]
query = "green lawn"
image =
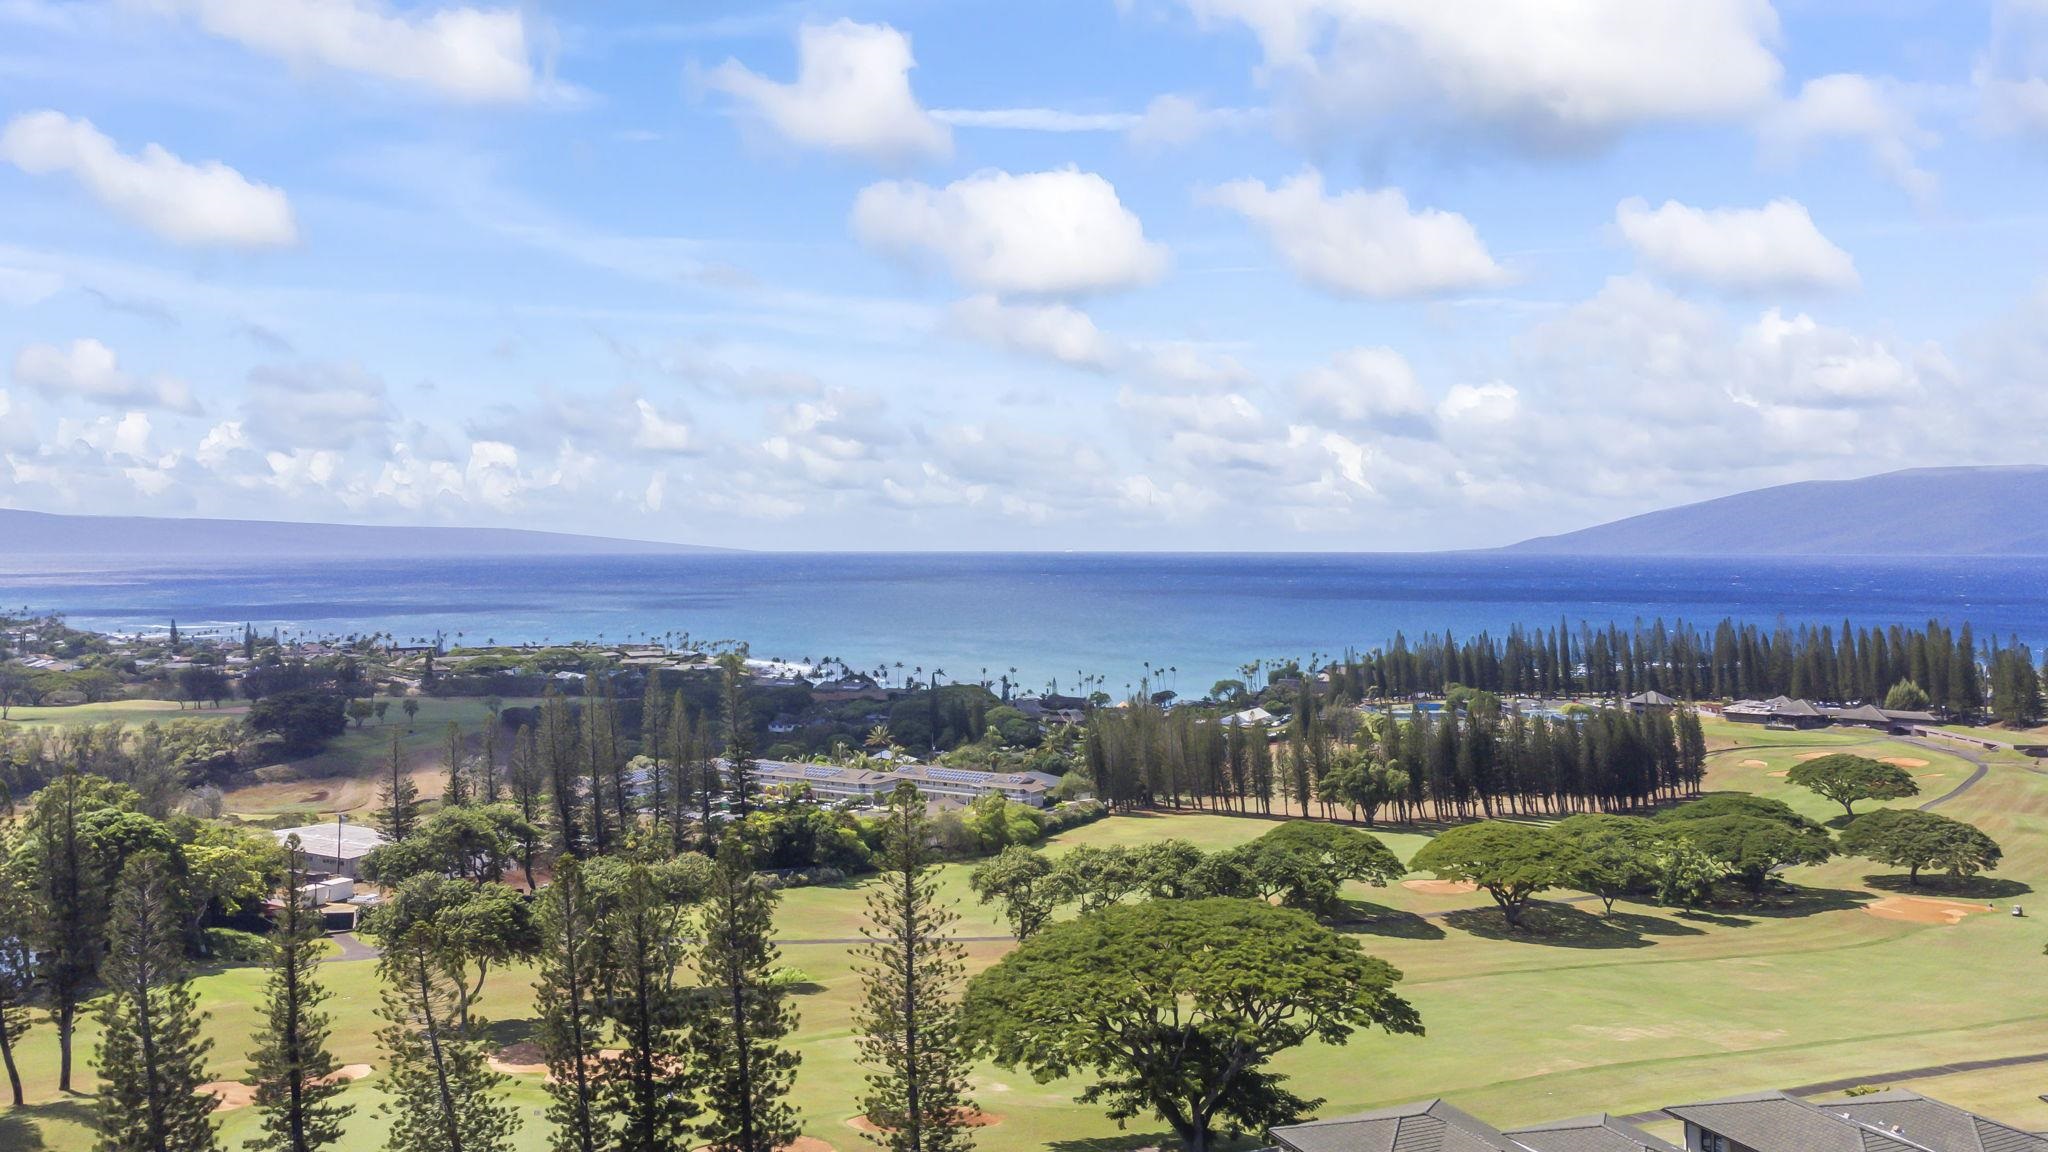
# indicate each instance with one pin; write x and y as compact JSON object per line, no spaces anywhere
{"x":125,"y":711}
{"x":1620,"y":1014}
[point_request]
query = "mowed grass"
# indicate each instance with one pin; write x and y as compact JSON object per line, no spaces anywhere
{"x":125,"y":711}
{"x":1587,"y":1013}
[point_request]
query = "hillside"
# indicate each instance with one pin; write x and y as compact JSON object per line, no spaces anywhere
{"x":86,"y":537}
{"x":1919,"y":512}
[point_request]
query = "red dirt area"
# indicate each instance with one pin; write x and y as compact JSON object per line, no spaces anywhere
{"x":973,"y":1119}
{"x":1925,"y":909}
{"x":1440,"y":887}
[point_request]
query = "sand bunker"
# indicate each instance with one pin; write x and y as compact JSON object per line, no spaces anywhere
{"x":1440,"y":887}
{"x":1756,"y":764}
{"x":229,"y":1095}
{"x":1929,"y":775}
{"x":522,"y":1059}
{"x":1925,"y":909}
{"x":1904,"y":761}
{"x":1779,"y":775}
{"x":973,"y":1119}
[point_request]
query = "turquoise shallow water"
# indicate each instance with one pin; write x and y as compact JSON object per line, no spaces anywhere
{"x":1048,"y":615}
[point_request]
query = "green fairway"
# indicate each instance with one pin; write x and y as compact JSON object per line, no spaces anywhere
{"x":124,"y":711}
{"x":1586,"y":1013}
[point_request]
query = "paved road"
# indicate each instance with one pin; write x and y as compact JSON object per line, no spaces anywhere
{"x":1975,"y":758}
{"x":353,"y":948}
{"x":1830,"y":1087}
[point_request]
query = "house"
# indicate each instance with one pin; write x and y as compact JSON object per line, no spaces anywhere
{"x":1778,"y":711}
{"x":847,"y":688}
{"x":1435,"y":1126}
{"x":1895,"y":721}
{"x":1253,"y":715}
{"x":336,"y":848}
{"x":1894,"y":1121}
{"x":1649,"y":701}
{"x":783,"y":724}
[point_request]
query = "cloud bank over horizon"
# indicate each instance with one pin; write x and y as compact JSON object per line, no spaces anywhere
{"x":1189,"y":274}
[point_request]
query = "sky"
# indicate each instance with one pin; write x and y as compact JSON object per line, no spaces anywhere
{"x":974,"y":274}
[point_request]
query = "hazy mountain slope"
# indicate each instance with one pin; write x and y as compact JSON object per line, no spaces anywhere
{"x":1921,"y":511}
{"x":45,"y":534}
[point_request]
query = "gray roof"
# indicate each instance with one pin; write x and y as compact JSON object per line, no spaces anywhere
{"x":1602,"y":1133}
{"x":1934,"y":1123}
{"x":355,"y":840}
{"x":1425,"y":1126}
{"x":1652,"y":698}
{"x":1775,"y":1122}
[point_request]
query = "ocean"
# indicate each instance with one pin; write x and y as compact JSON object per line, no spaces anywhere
{"x":1052,"y":617}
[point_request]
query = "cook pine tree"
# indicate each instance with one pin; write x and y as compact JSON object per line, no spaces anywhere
{"x":911,"y":969}
{"x":743,"y":1015}
{"x":398,"y":801}
{"x":296,"y":1076}
{"x":443,"y":1095}
{"x":152,"y":1060}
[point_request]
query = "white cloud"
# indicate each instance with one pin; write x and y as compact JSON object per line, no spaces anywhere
{"x":207,"y":203}
{"x":1059,"y":331}
{"x":314,"y":407}
{"x":2012,"y":75}
{"x":23,"y":287}
{"x":1848,"y":106}
{"x":656,"y":492}
{"x":1173,"y":120}
{"x":127,"y":435}
{"x":653,"y":432}
{"x":1054,"y":232}
{"x":1797,"y":361}
{"x":1495,"y":403}
{"x":1363,"y":386}
{"x":851,"y":95}
{"x":1036,"y":119}
{"x":1544,"y":73}
{"x":89,"y":370}
{"x":1224,"y":412}
{"x":221,"y":443}
{"x":1363,"y":243}
{"x":1745,"y":249}
{"x":474,"y":55}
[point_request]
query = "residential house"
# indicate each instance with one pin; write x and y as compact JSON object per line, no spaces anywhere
{"x":1435,"y":1126}
{"x":1252,"y":715}
{"x":1893,"y":1121}
{"x":783,"y":724}
{"x":1652,"y":701}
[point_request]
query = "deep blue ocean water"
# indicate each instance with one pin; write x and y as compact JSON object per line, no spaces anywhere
{"x":1048,"y":615}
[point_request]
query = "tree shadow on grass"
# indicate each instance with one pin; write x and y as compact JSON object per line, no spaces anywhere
{"x":20,"y":1128}
{"x":1556,"y":925}
{"x":1646,"y":925}
{"x":1359,"y":917}
{"x":1968,"y":888}
{"x":1788,"y":900}
{"x":505,"y":1033}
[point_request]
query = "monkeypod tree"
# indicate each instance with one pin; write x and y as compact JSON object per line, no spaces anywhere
{"x":1510,"y":862}
{"x":1913,"y":840}
{"x":1845,"y":779}
{"x":1177,"y":1007}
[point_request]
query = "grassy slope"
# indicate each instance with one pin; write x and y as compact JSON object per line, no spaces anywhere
{"x":1646,"y":1009}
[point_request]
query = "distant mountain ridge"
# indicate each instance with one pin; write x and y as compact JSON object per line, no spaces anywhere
{"x":24,"y":533}
{"x":1988,"y":511}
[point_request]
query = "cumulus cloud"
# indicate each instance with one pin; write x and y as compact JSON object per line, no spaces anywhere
{"x":1796,"y":360}
{"x":1744,"y":249}
{"x":654,"y":432}
{"x":1058,"y":331}
{"x":314,"y":407}
{"x":197,"y":204}
{"x":1495,"y":403}
{"x":1047,"y":233}
{"x":851,"y":95}
{"x":89,"y":370}
{"x":1539,"y":73}
{"x":473,"y":55}
{"x":1364,"y":386}
{"x":1363,"y":243}
{"x":1849,"y":106}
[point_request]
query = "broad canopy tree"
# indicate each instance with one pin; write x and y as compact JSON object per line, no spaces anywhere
{"x":1753,"y":836}
{"x":1845,"y":779}
{"x":1177,"y":1007}
{"x":1510,"y":862}
{"x":1911,"y":839}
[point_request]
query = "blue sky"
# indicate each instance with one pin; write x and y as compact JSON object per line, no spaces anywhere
{"x":1186,"y":274}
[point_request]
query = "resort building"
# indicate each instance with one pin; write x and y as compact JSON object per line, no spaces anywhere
{"x":833,"y":782}
{"x":1435,"y":1126}
{"x":1779,"y":711}
{"x":337,"y":848}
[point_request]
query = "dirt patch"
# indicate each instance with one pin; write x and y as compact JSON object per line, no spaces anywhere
{"x":1440,"y":887}
{"x":1756,"y":764}
{"x":973,"y":1119}
{"x":522,"y":1059}
{"x":1925,"y":909}
{"x":228,"y":1095}
{"x":1904,"y":761}
{"x":1779,"y":775}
